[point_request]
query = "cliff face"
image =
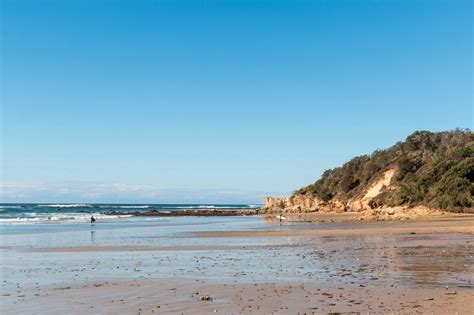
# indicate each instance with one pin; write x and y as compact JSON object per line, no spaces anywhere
{"x":300,"y":204}
{"x":295,"y":203}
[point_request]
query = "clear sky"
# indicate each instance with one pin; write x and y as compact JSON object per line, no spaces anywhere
{"x":218,"y":101}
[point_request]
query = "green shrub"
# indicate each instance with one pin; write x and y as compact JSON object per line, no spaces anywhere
{"x":433,"y":168}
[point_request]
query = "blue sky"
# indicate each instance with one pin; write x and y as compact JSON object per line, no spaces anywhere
{"x":218,"y":101}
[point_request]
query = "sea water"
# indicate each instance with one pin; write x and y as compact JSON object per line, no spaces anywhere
{"x":81,"y":213}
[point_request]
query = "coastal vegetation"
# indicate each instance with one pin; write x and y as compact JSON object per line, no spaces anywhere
{"x":434,"y":169}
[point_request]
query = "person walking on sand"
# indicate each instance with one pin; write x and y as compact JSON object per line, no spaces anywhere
{"x":92,"y":219}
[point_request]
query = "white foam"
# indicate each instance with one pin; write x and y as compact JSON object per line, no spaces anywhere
{"x":64,"y":218}
{"x":19,"y":220}
{"x":11,"y":207}
{"x":77,"y":205}
{"x":125,"y":207}
{"x":154,"y":219}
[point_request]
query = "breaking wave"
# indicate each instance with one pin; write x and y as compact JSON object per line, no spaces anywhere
{"x":125,"y":207}
{"x":62,"y":218}
{"x":67,"y":205}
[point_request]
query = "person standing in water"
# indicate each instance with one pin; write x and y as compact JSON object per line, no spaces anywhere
{"x":92,"y":219}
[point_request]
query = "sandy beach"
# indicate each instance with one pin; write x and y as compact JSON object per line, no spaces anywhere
{"x":315,"y":264}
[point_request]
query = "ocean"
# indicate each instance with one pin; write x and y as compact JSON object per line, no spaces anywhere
{"x":80,"y":213}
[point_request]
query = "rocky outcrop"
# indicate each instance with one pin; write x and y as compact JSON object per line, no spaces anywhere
{"x":295,"y":203}
{"x":299,"y":203}
{"x":187,"y":213}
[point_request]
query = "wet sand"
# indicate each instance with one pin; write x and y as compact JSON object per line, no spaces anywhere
{"x":450,"y":224}
{"x":189,"y":297}
{"x":303,"y":266}
{"x":132,"y":248}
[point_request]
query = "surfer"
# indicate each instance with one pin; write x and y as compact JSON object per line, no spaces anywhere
{"x":92,"y":219}
{"x":281,"y":215}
